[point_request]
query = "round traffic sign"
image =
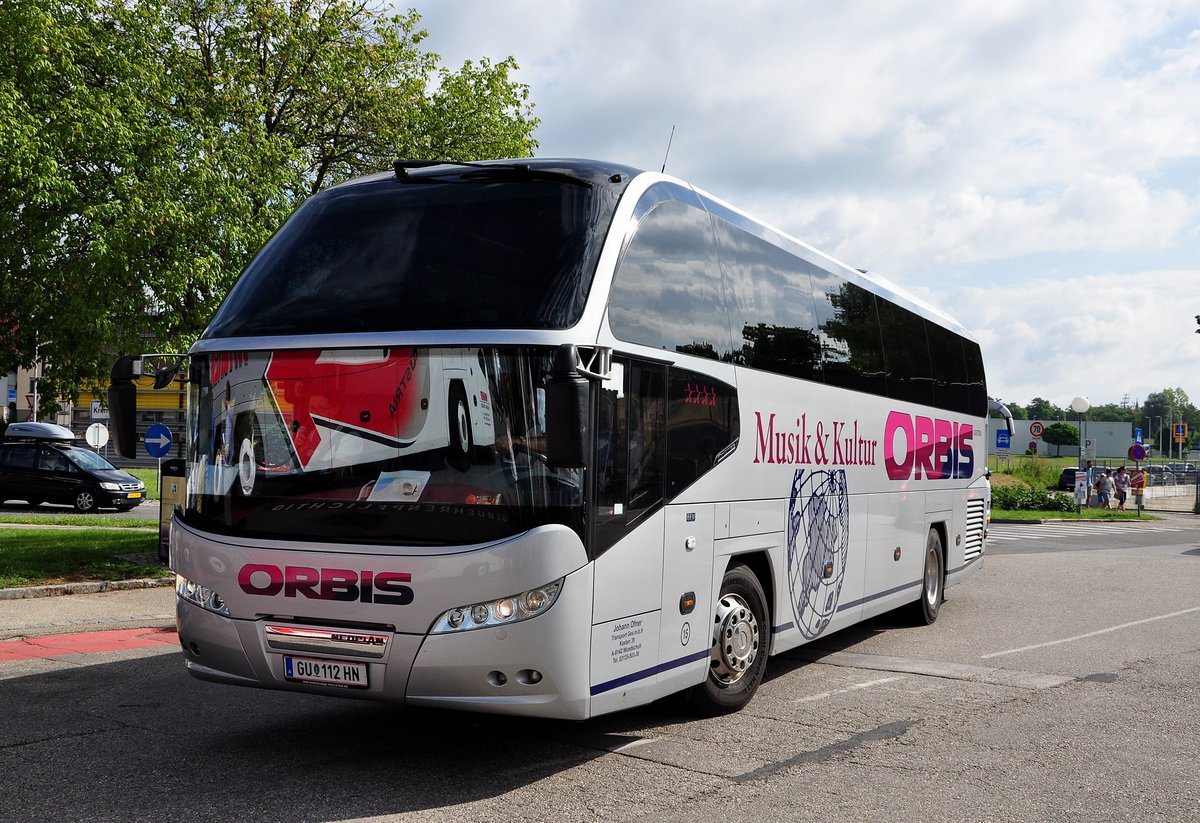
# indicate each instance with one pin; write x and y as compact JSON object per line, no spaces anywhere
{"x":158,"y":440}
{"x":1137,"y":453}
{"x":1036,"y":429}
{"x":96,"y":435}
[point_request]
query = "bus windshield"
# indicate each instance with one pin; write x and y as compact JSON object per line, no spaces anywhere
{"x":393,"y":446}
{"x":383,"y":255}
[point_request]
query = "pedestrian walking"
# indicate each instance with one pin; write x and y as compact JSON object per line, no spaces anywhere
{"x":1121,"y":482}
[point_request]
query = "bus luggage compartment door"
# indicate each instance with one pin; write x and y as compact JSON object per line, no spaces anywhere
{"x":687,"y":608}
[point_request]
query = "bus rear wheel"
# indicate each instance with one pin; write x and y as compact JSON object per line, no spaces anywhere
{"x":933,"y":581}
{"x":741,"y":626}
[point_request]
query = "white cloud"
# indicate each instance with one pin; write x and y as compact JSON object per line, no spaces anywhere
{"x":948,"y":146}
{"x":1104,"y":336}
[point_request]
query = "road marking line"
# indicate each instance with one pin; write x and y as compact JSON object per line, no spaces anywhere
{"x":936,"y":668}
{"x":856,"y":687}
{"x":1091,"y":634}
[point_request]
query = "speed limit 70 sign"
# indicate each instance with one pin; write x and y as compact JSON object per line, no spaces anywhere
{"x":1036,"y":429}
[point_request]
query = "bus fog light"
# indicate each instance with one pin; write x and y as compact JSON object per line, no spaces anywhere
{"x":499,"y":612}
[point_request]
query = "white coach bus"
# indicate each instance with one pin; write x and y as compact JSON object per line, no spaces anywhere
{"x":558,"y":438}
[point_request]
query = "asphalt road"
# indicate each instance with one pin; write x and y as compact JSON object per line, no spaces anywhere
{"x":1058,"y":684}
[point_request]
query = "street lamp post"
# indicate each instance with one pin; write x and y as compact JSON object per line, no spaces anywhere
{"x":1080,"y":405}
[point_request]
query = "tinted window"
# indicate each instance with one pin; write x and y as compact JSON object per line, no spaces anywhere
{"x":387,"y":255}
{"x":951,"y":387}
{"x":18,"y":457}
{"x":702,"y":424}
{"x":770,"y":305}
{"x":630,"y":443}
{"x":977,"y":385}
{"x":849,"y":328}
{"x":906,"y":354}
{"x":50,"y":460}
{"x":667,"y":292}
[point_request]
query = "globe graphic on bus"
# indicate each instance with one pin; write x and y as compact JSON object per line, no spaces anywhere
{"x":818,"y":545}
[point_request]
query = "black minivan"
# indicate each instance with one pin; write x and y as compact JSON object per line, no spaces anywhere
{"x":40,"y":464}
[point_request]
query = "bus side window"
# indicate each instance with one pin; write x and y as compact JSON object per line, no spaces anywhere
{"x":630,"y":441}
{"x":668,"y":291}
{"x":702,"y":422}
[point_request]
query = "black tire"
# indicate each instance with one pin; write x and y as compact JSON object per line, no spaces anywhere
{"x":459,"y":421}
{"x":933,"y":581}
{"x":741,"y":638}
{"x":85,"y":501}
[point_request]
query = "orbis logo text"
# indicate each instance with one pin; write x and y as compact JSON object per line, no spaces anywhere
{"x":326,"y":584}
{"x":924,"y":447}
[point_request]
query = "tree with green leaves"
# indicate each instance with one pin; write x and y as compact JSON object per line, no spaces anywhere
{"x":1040,"y":408}
{"x":1059,"y":435}
{"x":153,"y":146}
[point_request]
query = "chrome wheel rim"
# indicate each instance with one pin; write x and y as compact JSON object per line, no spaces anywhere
{"x":933,"y":576}
{"x":735,"y":640}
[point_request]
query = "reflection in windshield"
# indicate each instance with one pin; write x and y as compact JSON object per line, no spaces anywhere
{"x":374,"y":445}
{"x":89,"y":459}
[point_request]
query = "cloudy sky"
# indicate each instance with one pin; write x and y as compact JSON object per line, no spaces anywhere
{"x":1031,"y":167}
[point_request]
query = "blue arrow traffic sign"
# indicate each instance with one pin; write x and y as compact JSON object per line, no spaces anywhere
{"x":158,"y":440}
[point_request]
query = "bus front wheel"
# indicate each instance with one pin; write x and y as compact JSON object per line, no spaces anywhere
{"x":741,"y":626}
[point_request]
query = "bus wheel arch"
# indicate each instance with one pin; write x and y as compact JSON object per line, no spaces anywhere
{"x":741,"y":640}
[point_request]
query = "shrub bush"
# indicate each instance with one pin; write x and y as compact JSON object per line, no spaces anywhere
{"x":1026,"y":498}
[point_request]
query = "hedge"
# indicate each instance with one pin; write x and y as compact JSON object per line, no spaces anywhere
{"x":1027,"y":498}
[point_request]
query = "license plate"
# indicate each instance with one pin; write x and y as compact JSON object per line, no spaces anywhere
{"x":132,"y":495}
{"x":328,"y":672}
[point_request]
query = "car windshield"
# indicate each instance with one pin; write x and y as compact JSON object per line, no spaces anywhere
{"x":413,"y":446}
{"x":88,"y":459}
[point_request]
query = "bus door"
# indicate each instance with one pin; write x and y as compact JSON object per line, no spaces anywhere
{"x":629,"y":529}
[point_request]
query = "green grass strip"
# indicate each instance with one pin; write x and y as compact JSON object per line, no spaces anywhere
{"x":35,"y":557}
{"x":1086,"y":514}
{"x":88,"y":520}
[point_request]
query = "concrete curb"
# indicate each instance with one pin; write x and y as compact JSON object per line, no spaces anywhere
{"x":85,"y":588}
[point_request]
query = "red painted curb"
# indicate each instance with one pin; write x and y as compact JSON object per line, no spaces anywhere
{"x":86,"y":643}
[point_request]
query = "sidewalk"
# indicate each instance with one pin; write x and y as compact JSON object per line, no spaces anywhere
{"x":83,"y":607}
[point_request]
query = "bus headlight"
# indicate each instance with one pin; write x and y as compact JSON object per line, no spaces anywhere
{"x":500,"y":612}
{"x":201,"y":596}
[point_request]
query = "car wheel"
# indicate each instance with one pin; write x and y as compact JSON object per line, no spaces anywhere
{"x":740,"y":643}
{"x":85,"y":501}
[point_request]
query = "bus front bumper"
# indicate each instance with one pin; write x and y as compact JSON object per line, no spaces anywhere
{"x":537,"y":667}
